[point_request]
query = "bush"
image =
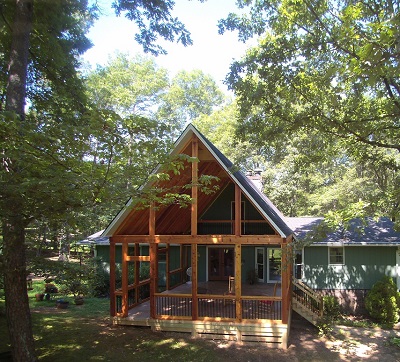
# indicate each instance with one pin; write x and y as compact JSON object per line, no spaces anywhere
{"x":332,"y":313}
{"x":383,"y":302}
{"x":99,"y":278}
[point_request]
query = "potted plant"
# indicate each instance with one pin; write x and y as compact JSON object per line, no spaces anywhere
{"x":39,"y":296}
{"x":62,"y":304}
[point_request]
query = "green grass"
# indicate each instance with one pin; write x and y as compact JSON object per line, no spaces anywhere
{"x":85,"y":332}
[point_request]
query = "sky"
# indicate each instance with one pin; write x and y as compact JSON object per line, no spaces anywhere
{"x":212,"y":53}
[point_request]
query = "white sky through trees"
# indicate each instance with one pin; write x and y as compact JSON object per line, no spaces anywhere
{"x":210,"y":52}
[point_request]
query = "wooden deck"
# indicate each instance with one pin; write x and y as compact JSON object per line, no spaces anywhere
{"x":217,"y":314}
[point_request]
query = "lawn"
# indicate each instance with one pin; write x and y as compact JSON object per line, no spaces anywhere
{"x":86,"y":332}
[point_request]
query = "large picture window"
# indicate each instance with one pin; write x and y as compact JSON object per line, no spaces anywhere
{"x":336,"y":255}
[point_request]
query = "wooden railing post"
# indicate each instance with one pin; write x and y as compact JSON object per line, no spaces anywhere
{"x":238,"y":281}
{"x":124,"y":280}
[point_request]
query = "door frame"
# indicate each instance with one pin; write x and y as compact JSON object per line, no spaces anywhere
{"x":256,"y":263}
{"x":208,"y":258}
{"x":269,"y":279}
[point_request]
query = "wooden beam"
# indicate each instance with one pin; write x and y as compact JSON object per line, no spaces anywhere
{"x":238,"y":210}
{"x":137,"y":259}
{"x":152,"y":220}
{"x":238,"y":281}
{"x":195,"y":171}
{"x":167,"y":266}
{"x":285,"y":280}
{"x":201,"y":239}
{"x":112,"y":278}
{"x":124,"y":280}
{"x":153,"y":279}
{"x":195,"y":311}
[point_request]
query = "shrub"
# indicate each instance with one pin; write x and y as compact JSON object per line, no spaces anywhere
{"x":99,"y":278}
{"x":332,"y":313}
{"x":383,"y":302}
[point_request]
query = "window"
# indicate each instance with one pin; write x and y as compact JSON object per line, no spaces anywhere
{"x":336,"y":255}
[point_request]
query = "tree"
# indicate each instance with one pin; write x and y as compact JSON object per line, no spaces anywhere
{"x":321,"y":66}
{"x":42,"y":151}
{"x":190,"y":95}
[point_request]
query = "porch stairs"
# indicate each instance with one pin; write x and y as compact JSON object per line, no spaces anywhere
{"x":307,"y":302}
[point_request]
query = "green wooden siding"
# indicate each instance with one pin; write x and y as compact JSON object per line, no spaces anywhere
{"x":363,"y":267}
{"x":221,"y":209}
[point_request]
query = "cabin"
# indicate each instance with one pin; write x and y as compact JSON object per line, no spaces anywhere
{"x":347,"y":263}
{"x":221,"y":267}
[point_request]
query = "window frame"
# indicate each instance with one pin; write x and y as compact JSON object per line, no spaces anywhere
{"x":330,"y":248}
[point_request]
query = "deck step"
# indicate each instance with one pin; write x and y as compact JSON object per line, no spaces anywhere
{"x":306,"y":313}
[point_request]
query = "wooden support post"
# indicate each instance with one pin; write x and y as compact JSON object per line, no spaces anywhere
{"x":195,"y":167}
{"x":137,"y":272}
{"x":125,"y":306}
{"x":153,"y":261}
{"x":238,"y":281}
{"x":152,"y":220}
{"x":153,"y":278}
{"x":238,"y":211}
{"x":194,"y":283}
{"x":113,"y":310}
{"x":285,"y":280}
{"x":167,"y":268}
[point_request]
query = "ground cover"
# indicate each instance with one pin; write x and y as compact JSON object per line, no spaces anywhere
{"x":86,"y":332}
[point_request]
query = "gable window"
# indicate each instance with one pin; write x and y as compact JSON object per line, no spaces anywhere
{"x":336,"y":255}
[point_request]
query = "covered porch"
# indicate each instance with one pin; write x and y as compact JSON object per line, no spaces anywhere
{"x":260,"y":308}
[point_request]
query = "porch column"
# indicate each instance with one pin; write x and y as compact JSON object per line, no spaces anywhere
{"x":153,"y":261}
{"x":285,"y":283}
{"x":124,"y":279}
{"x":195,"y":166}
{"x":195,"y":169}
{"x":112,"y":278}
{"x":137,"y":272}
{"x":195,"y":311}
{"x":238,"y":281}
{"x":238,"y":211}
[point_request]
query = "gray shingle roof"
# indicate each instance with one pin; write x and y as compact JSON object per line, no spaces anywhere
{"x":370,"y":232}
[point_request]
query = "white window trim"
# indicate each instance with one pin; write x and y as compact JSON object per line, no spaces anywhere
{"x":329,"y":255}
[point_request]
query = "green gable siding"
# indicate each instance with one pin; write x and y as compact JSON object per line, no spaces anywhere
{"x":363,"y":267}
{"x":221,"y":209}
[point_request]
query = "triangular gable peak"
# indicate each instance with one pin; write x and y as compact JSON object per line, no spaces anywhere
{"x":174,"y":219}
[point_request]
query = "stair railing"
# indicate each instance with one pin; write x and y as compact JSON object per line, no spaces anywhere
{"x":308,"y":297}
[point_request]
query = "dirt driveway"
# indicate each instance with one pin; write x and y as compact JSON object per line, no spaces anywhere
{"x":346,"y":344}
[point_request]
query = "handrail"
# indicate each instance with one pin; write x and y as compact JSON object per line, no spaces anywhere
{"x":312,"y":294}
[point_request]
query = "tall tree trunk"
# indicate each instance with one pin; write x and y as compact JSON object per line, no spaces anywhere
{"x":13,"y":223}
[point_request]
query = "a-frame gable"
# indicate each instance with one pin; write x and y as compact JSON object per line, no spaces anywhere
{"x":173,"y":219}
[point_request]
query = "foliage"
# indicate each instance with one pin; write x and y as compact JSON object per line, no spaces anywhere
{"x":153,"y":19}
{"x":99,"y":278}
{"x":331,"y":314}
{"x":327,"y":71}
{"x":383,"y":301}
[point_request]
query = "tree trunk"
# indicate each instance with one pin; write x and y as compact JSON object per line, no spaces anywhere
{"x":13,"y":223}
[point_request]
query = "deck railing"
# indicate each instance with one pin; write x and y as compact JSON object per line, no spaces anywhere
{"x":179,"y":306}
{"x":308,"y":297}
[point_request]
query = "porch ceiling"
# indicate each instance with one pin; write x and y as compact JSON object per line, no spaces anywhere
{"x":175,"y":219}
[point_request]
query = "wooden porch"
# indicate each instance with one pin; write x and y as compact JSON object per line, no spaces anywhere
{"x":261,"y":313}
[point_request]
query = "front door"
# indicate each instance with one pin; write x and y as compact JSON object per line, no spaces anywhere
{"x":221,"y":263}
